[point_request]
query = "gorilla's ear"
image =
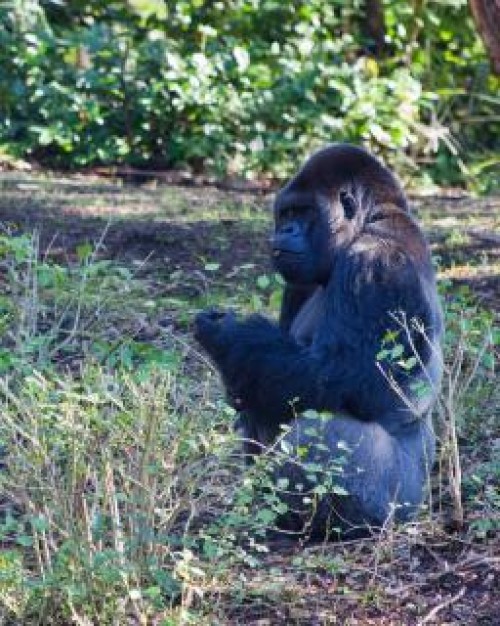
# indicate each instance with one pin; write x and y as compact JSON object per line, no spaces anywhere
{"x":348,"y":203}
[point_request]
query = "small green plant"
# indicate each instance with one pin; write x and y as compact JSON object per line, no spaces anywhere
{"x":263,"y":497}
{"x":54,"y":315}
{"x":105,"y":478}
{"x":470,"y":369}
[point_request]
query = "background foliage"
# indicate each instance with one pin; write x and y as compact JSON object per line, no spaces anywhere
{"x":242,"y":87}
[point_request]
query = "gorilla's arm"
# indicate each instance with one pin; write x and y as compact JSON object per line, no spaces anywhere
{"x":264,"y":370}
{"x":273,"y":377}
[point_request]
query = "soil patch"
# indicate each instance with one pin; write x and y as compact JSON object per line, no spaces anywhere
{"x":183,"y":228}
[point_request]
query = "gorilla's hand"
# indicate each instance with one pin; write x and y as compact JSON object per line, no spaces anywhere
{"x":212,"y":329}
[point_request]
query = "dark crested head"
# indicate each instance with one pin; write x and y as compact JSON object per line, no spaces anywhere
{"x":342,"y":164}
{"x":324,"y":206}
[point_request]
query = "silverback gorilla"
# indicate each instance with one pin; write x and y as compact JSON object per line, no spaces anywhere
{"x":358,"y":277}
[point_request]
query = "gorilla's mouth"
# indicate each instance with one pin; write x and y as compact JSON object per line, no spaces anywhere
{"x":289,"y":264}
{"x":284,"y":253}
{"x":287,"y":260}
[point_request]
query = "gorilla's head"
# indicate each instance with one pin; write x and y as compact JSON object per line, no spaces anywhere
{"x":325,"y":206}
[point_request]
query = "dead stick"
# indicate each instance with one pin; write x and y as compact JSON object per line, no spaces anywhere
{"x":441,"y":606}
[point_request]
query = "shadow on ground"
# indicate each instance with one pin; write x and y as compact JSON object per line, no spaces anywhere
{"x":184,"y":228}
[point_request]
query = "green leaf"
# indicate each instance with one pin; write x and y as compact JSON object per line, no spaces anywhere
{"x":408,"y":364}
{"x":340,"y":491}
{"x":263,"y":281}
{"x":266,"y":516}
{"x":24,"y":540}
{"x":84,"y":251}
{"x":242,"y":58}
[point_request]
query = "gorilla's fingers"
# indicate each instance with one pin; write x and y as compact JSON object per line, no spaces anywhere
{"x":212,"y":326}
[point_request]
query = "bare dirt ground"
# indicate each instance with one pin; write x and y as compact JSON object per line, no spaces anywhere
{"x":428,"y":577}
{"x":178,"y":227}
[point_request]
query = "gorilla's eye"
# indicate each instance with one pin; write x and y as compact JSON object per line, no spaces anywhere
{"x":288,"y":214}
{"x":348,"y":203}
{"x":376,"y":217}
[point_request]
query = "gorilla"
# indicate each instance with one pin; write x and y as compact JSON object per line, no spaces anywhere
{"x":348,"y":378}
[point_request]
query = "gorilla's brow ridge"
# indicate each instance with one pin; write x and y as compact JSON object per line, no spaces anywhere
{"x":296,"y":200}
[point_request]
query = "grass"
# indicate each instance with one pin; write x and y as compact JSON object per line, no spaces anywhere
{"x":123,"y":495}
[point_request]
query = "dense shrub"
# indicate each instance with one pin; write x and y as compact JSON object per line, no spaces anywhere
{"x":245,"y":86}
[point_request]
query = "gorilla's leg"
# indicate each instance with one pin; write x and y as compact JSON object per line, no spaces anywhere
{"x":256,"y":436}
{"x":373,"y":477}
{"x":245,"y":428}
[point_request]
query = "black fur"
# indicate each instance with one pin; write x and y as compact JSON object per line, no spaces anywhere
{"x":358,"y":277}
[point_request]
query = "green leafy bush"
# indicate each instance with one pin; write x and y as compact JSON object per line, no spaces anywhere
{"x":246,"y":86}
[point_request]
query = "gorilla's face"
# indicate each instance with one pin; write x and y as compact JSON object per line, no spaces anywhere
{"x":309,"y":228}
{"x":329,"y":202}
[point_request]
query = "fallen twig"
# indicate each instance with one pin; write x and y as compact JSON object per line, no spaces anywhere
{"x":432,"y":614}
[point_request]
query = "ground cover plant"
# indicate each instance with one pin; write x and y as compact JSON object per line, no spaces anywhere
{"x":123,"y":495}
